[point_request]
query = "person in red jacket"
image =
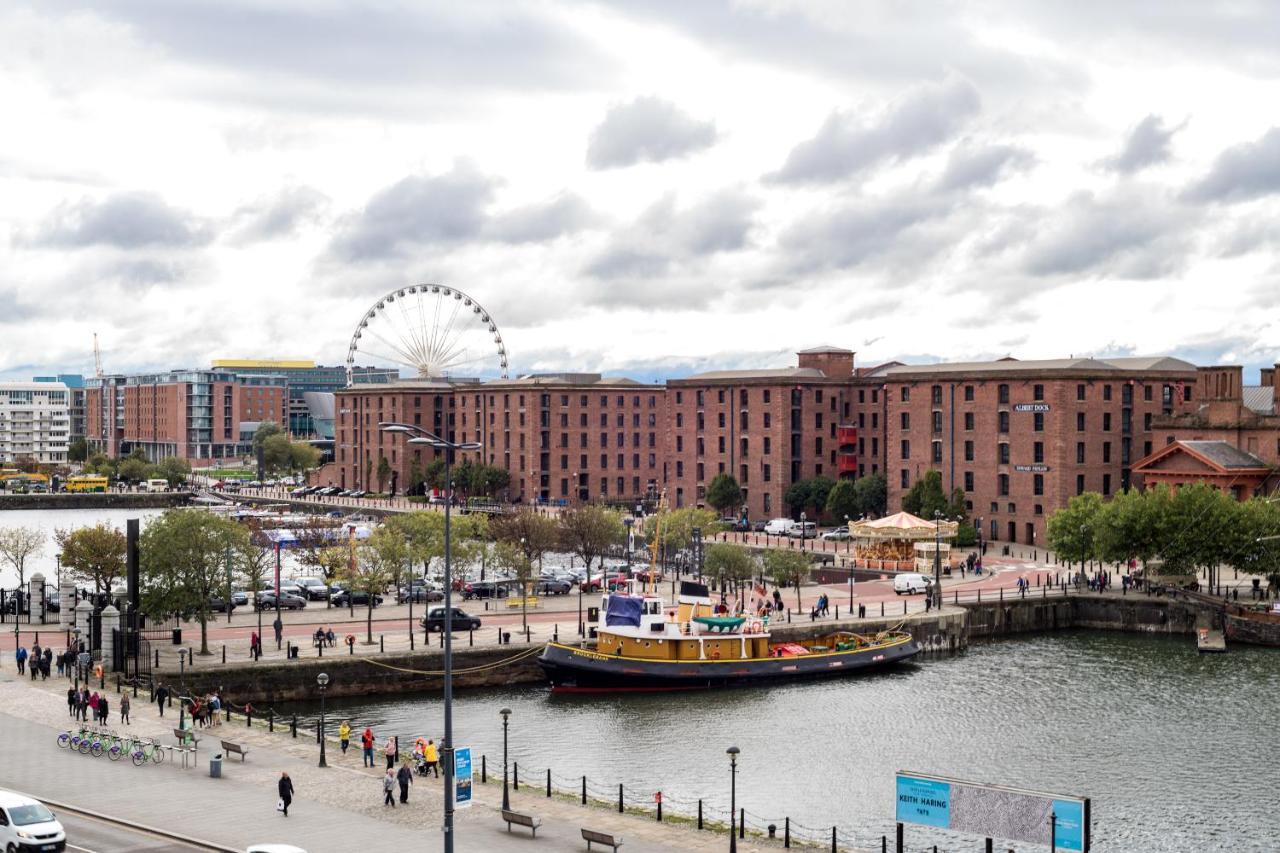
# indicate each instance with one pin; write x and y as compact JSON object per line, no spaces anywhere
{"x":366,"y":741}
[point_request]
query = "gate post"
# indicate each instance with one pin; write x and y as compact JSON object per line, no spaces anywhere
{"x":110,"y":622}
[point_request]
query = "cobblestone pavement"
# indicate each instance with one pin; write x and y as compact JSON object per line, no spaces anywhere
{"x":337,"y":809}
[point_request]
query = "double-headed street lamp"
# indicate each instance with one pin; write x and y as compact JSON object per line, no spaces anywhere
{"x":322,"y":680}
{"x":506,"y":795}
{"x":733,"y":797}
{"x":423,"y":437}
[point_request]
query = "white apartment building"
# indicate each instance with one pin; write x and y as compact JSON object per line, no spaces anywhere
{"x":35,"y":421}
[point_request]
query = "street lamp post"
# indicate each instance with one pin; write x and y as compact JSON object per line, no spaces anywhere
{"x":803,"y":518}
{"x":506,"y":795}
{"x":322,"y":680}
{"x":733,"y":797}
{"x":446,"y":750}
{"x":937,"y":558}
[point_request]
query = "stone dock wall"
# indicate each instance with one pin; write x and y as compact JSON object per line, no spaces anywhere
{"x":97,"y":500}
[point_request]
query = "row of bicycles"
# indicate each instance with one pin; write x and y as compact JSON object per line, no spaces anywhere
{"x":88,"y":740}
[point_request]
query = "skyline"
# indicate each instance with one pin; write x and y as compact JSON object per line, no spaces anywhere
{"x":729,"y":183}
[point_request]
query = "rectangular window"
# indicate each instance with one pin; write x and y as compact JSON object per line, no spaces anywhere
{"x":1079,"y":452}
{"x":906,"y":394}
{"x":968,"y":481}
{"x":968,"y":393}
{"x":1002,"y":483}
{"x":906,"y":449}
{"x":1106,"y":452}
{"x":936,"y":395}
{"x":1079,"y":484}
{"x":968,"y":421}
{"x":1147,"y":393}
{"x":906,"y":421}
{"x":1106,"y":484}
{"x":768,"y":473}
{"x":1106,"y":393}
{"x":1079,"y":421}
{"x":1003,"y":425}
{"x":1037,"y":451}
{"x":1038,"y":421}
{"x":1126,"y":395}
{"x":1037,"y":484}
{"x":968,"y":451}
{"x":1003,"y":449}
{"x":937,"y":452}
{"x":1146,"y":422}
{"x":1037,"y":392}
{"x":1003,"y":395}
{"x":1106,"y":422}
{"x":906,"y":479}
{"x":937,"y":422}
{"x":1080,"y":391}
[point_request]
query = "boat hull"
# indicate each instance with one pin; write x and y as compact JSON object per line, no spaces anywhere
{"x":571,"y":669}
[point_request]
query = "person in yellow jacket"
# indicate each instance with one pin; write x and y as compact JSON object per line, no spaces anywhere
{"x":432,"y":757}
{"x":344,"y":736}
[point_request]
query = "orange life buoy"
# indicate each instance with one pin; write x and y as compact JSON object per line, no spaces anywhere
{"x":715,"y":654}
{"x":97,"y":671}
{"x":351,"y":639}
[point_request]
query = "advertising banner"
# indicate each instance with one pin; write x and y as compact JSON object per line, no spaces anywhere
{"x":993,"y":811}
{"x":462,"y":777}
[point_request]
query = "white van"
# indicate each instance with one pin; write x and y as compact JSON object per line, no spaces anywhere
{"x":911,"y":583}
{"x":779,"y":526}
{"x":157,"y":485}
{"x":25,"y":824}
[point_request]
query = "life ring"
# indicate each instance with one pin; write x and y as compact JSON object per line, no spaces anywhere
{"x":351,"y":639}
{"x":97,"y":671}
{"x":715,"y":654}
{"x":420,"y":745}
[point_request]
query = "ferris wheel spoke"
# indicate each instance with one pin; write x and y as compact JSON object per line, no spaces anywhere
{"x":405,"y":357}
{"x":375,"y":354}
{"x":447,"y":332}
{"x":412,"y":332}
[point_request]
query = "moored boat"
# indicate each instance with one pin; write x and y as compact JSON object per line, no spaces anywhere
{"x":644,"y":646}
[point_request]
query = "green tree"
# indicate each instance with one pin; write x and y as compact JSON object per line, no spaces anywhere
{"x":424,"y":531}
{"x":489,"y":480}
{"x":797,"y":496}
{"x":434,"y":475}
{"x":724,"y":493}
{"x":1072,"y":529}
{"x":842,"y":501}
{"x":534,"y":533}
{"x":589,"y":531}
{"x":183,"y":562}
{"x":926,"y":497}
{"x":254,"y":562}
{"x":513,"y":558}
{"x":303,"y":457}
{"x":1257,"y":548}
{"x":678,"y":526}
{"x":93,"y":555}
{"x":265,"y":430}
{"x":78,"y":450}
{"x":873,"y":495}
{"x":375,"y":564}
{"x":416,"y":477}
{"x":175,"y":470}
{"x":99,"y":463}
{"x":787,"y":568}
{"x":384,"y":473}
{"x":1201,"y":525}
{"x":819,"y":489}
{"x":133,"y":470}
{"x":277,"y":453}
{"x":17,"y":545}
{"x":727,"y":563}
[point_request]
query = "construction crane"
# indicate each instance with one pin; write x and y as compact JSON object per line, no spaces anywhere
{"x":97,"y":357}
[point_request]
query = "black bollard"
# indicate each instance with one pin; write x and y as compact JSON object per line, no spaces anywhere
{"x":471,"y":636}
{"x":484,"y":770}
{"x":381,"y":647}
{"x":548,"y":783}
{"x":742,"y":821}
{"x":584,"y":794}
{"x":293,"y":725}
{"x":833,"y":839}
{"x":224,"y":652}
{"x":271,"y":720}
{"x":786,"y":833}
{"x":659,"y":807}
{"x":699,"y":814}
{"x":515,"y":776}
{"x":248,"y":716}
{"x":620,"y":798}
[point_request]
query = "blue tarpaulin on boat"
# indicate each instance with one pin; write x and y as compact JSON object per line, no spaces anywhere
{"x":624,"y":610}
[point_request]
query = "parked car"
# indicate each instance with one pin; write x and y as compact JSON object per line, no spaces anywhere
{"x":267,"y":601}
{"x":420,"y":592}
{"x":218,"y":604}
{"x":240,"y":598}
{"x":485,"y":589}
{"x":838,"y":534}
{"x":313,"y":588}
{"x":551,"y":586}
{"x":778,"y":526}
{"x":292,"y":588}
{"x":910,"y":583}
{"x":462,"y":621}
{"x":807,"y":529}
{"x":357,"y":598}
{"x":28,"y":825}
{"x":597,"y":582}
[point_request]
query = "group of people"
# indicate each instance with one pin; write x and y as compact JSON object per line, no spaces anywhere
{"x":204,"y":710}
{"x":82,"y":702}
{"x":325,"y":636}
{"x":38,"y":661}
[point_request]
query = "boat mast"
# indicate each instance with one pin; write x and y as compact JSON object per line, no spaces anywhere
{"x":656,"y":543}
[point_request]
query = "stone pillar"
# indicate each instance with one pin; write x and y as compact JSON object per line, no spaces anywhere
{"x":83,"y":611}
{"x":35,"y":598}
{"x":66,"y":597}
{"x":110,"y":622}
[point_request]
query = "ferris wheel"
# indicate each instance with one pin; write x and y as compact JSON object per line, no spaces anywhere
{"x":433,"y":330}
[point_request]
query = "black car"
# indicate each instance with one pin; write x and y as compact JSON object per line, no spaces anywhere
{"x":267,"y":601}
{"x":462,"y":621}
{"x":420,"y":593}
{"x":485,"y":589}
{"x":551,"y":586}
{"x":218,"y":604}
{"x":357,"y":598}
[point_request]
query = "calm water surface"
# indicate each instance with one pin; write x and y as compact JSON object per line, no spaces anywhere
{"x":1176,"y":750}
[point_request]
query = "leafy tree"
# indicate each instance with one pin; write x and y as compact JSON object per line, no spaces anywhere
{"x":424,"y":531}
{"x":533,"y":533}
{"x":678,"y":526}
{"x":277,"y":453}
{"x":926,"y":497}
{"x":488,"y":480}
{"x":724,"y":493}
{"x":133,"y":470}
{"x":416,"y":477}
{"x":589,"y":531}
{"x":513,"y":558}
{"x":265,"y":430}
{"x":819,"y":489}
{"x":99,"y":463}
{"x":873,"y":495}
{"x":173,"y":469}
{"x":17,"y":545}
{"x":1256,"y":550}
{"x":94,"y":555}
{"x":372,"y":570}
{"x":384,"y":473}
{"x":303,"y":457}
{"x":797,"y":496}
{"x":787,"y":568}
{"x":78,"y":450}
{"x":254,"y":559}
{"x":434,"y":474}
{"x":728,"y":563}
{"x":1200,"y":522}
{"x":1071,"y":530}
{"x":842,"y":501}
{"x":184,"y":563}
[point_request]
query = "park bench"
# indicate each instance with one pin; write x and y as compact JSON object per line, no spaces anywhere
{"x":520,"y":602}
{"x":590,"y":835}
{"x":187,"y":736}
{"x":521,"y":820}
{"x":228,"y":746}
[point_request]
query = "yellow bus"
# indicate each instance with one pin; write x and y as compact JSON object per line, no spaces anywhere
{"x":86,"y":484}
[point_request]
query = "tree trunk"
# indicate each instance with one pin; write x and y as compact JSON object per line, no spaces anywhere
{"x":799,"y":606}
{"x":204,"y":633}
{"x":368,"y":625}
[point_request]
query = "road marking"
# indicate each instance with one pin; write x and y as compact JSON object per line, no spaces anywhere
{"x":85,"y":849}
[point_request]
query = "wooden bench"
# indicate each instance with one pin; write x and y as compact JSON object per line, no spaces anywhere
{"x":187,"y":736}
{"x":590,"y":835}
{"x":520,"y":602}
{"x":228,"y":746}
{"x":521,"y":820}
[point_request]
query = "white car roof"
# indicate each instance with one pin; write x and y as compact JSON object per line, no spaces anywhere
{"x":9,"y":799}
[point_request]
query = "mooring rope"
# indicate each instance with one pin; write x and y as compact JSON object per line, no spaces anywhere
{"x":494,"y":665}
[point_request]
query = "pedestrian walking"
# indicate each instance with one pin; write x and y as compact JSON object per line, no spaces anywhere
{"x":431,"y":756}
{"x":366,"y":742}
{"x":103,"y":710}
{"x":344,"y":736}
{"x":45,"y":663}
{"x":279,"y":629}
{"x":93,"y":705}
{"x":392,"y":750}
{"x":285,"y":788}
{"x":253,"y":645}
{"x":162,"y":694}
{"x":405,"y":777}
{"x":388,"y":785}
{"x":124,"y":708}
{"x":21,"y":656}
{"x":72,"y":696}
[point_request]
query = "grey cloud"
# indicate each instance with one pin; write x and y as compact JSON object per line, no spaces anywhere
{"x":1140,"y":234}
{"x":665,"y":235}
{"x":419,"y":210}
{"x":281,"y":215}
{"x":123,"y":220}
{"x":847,"y":144}
{"x":1147,"y":145}
{"x":1246,"y":171}
{"x":646,"y":130}
{"x":982,"y":166}
{"x":902,"y":228}
{"x":564,"y":214}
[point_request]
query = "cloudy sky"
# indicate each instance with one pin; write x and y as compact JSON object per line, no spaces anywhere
{"x":642,"y":187}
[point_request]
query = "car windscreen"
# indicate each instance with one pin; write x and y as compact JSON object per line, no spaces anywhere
{"x":27,"y":815}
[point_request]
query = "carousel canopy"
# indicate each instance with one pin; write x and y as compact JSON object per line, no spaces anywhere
{"x":902,"y":525}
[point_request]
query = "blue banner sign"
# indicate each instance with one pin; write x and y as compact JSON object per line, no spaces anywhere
{"x":462,"y":777}
{"x":993,"y":811}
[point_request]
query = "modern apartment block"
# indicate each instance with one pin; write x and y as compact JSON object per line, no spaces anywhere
{"x":311,"y":387}
{"x":75,"y":389}
{"x":193,"y":414}
{"x":35,"y":422}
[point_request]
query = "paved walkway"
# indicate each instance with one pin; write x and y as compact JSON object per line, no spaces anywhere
{"x":337,"y":809}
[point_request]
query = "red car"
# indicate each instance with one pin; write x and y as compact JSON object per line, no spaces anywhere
{"x":613,"y":580}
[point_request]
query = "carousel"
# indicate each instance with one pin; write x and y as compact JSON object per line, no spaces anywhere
{"x":901,"y":542}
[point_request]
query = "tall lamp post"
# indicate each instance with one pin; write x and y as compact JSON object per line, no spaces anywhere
{"x":937,"y":558}
{"x":322,"y":680}
{"x":803,"y":518}
{"x":506,"y":795}
{"x":733,"y":798}
{"x":430,"y":439}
